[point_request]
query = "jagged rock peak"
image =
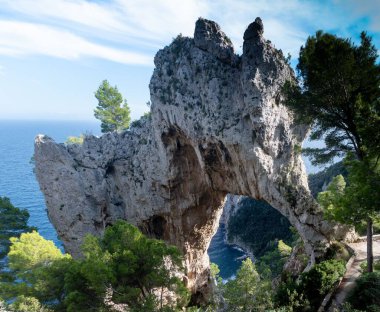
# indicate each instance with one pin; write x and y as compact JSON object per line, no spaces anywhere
{"x":254,"y":30}
{"x":215,"y":128}
{"x":209,"y":37}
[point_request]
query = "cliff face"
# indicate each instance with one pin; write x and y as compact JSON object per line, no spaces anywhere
{"x":217,"y":126}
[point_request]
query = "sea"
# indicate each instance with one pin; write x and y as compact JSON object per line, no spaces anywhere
{"x":18,"y":181}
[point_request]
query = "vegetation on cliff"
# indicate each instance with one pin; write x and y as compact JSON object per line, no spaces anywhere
{"x":13,"y":222}
{"x":338,"y":95}
{"x":112,"y":110}
{"x":319,"y":181}
{"x":123,"y":268}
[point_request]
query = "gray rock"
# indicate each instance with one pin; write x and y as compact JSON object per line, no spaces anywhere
{"x":217,"y":126}
{"x":209,"y":37}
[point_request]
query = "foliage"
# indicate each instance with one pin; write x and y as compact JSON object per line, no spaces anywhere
{"x":347,"y":307}
{"x":214,"y":272}
{"x":13,"y":222}
{"x":123,"y":267}
{"x":366,"y":294}
{"x":75,"y":140}
{"x":38,"y":269}
{"x":216,"y":299}
{"x":148,"y":115}
{"x":251,"y":223}
{"x":127,"y":266}
{"x":338,"y":94}
{"x":289,"y":297}
{"x":272,"y":262}
{"x":356,"y":202}
{"x":27,"y":304}
{"x":376,"y":266}
{"x":337,"y":251}
{"x":318,"y":181}
{"x":307,"y":293}
{"x":320,"y":279}
{"x":112,"y":110}
{"x":359,"y":201}
{"x":248,"y":292}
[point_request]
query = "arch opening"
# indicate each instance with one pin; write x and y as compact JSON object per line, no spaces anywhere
{"x":247,"y":228}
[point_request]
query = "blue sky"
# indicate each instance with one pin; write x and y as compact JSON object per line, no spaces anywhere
{"x":55,"y":53}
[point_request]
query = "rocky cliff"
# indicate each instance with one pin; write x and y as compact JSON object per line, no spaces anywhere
{"x":217,"y":126}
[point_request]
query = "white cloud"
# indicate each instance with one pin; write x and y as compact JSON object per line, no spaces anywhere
{"x":120,"y":20}
{"x":146,"y":25}
{"x":369,"y":8}
{"x":19,"y":38}
{"x":83,"y":12}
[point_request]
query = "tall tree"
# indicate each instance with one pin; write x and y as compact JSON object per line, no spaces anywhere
{"x":247,"y":292}
{"x":356,"y":202}
{"x":112,"y":110}
{"x":338,"y":94}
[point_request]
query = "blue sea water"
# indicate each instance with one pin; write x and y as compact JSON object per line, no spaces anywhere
{"x":18,"y":182}
{"x":227,"y":257}
{"x":17,"y":179}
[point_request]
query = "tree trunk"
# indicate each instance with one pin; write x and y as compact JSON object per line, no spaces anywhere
{"x":369,"y":245}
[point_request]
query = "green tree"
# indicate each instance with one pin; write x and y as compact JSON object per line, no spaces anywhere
{"x":272,"y":262}
{"x":339,"y":96}
{"x":13,"y":222}
{"x":357,"y":202}
{"x":27,"y":304}
{"x":366,"y":294}
{"x":125,"y":267}
{"x":38,"y":267}
{"x":112,"y":110}
{"x":322,"y":277}
{"x":247,"y":292}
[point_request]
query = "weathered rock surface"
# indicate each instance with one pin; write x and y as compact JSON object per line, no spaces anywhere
{"x":217,"y":126}
{"x":230,"y":208}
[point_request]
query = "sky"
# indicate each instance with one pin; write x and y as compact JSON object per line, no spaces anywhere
{"x":55,"y":53}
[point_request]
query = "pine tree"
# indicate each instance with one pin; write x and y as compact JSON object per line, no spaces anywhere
{"x":112,"y":110}
{"x":338,"y":95}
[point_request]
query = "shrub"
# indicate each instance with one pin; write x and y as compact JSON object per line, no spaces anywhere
{"x":376,"y":266}
{"x":27,"y":304}
{"x":366,"y":294}
{"x":337,"y":251}
{"x":321,"y":279}
{"x":75,"y":140}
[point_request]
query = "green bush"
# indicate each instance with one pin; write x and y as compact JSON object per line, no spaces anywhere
{"x":287,"y":286}
{"x":308,"y":293}
{"x":321,"y":278}
{"x":75,"y":140}
{"x":274,"y":259}
{"x":13,"y":222}
{"x":361,"y":227}
{"x":376,"y":266}
{"x":337,"y":251}
{"x":366,"y":294}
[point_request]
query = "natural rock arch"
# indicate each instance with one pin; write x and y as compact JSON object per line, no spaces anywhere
{"x":217,"y":126}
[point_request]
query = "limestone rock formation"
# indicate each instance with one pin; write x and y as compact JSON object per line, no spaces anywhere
{"x":230,"y":208}
{"x":217,"y":126}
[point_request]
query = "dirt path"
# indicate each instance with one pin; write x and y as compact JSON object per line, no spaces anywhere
{"x":354,"y":271}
